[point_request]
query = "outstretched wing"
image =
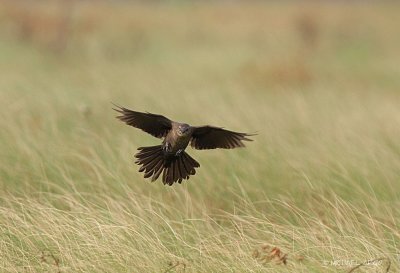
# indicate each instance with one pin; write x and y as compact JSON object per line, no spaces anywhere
{"x":155,"y":125}
{"x":209,"y":137}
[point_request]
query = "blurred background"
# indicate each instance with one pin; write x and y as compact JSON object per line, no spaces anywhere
{"x":122,"y":47}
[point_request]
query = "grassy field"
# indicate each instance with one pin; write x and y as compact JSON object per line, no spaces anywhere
{"x":317,"y":191}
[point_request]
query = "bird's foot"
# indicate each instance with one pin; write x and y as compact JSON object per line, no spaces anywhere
{"x":167,"y":147}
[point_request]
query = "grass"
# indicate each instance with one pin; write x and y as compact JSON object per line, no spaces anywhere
{"x":317,"y":191}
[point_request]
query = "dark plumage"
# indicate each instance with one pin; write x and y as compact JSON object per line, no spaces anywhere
{"x":170,"y":158}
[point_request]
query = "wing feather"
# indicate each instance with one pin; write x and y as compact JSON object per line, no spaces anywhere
{"x":210,"y":137}
{"x":156,"y":125}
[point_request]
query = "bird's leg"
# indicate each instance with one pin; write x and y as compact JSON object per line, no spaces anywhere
{"x":167,"y":147}
{"x":179,"y":152}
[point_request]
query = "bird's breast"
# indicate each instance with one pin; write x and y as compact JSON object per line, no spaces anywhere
{"x":176,"y":143}
{"x":182,"y":141}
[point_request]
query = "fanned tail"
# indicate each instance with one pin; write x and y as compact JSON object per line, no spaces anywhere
{"x":153,"y":162}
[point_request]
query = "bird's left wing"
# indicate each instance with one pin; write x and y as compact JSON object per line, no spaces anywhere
{"x":209,"y":137}
{"x":155,"y":125}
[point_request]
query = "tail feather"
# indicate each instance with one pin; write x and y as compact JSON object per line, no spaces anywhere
{"x":147,"y":163}
{"x":166,"y":175}
{"x":145,"y":154}
{"x":172,"y":176}
{"x":148,"y":174}
{"x":151,"y":169}
{"x":181,"y":171}
{"x":194,"y":162}
{"x":169,"y":170}
{"x":144,"y":150}
{"x":190,"y":163}
{"x":177,"y":173}
{"x":157,"y":170}
{"x":184,"y":167}
{"x":153,"y":163}
{"x":147,"y":160}
{"x":142,"y":158}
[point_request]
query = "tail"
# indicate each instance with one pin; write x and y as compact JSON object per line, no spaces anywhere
{"x":153,"y":162}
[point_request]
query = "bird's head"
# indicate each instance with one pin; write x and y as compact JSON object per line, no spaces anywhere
{"x":183,"y":129}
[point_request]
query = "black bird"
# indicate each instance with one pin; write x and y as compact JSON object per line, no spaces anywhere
{"x":170,"y":157}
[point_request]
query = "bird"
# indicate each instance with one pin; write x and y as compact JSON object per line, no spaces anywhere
{"x":170,"y":158}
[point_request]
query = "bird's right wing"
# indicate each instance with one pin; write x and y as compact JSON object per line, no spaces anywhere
{"x":155,"y":125}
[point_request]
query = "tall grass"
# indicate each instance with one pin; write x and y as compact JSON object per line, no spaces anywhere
{"x":317,"y":191}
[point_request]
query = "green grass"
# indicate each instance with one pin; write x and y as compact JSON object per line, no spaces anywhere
{"x":320,"y":182}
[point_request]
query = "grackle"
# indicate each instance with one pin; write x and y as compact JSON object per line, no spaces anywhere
{"x":170,"y":157}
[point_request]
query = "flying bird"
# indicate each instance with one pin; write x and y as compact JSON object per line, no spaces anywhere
{"x":170,"y":157}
